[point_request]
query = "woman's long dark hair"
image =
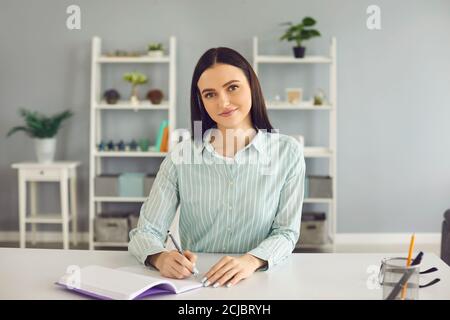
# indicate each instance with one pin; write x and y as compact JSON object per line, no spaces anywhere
{"x":229,"y":56}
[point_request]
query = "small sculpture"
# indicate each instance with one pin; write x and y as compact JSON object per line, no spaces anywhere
{"x":111,"y":96}
{"x":121,"y":146}
{"x":133,"y":145}
{"x":155,"y":96}
{"x":102,"y":146}
{"x":110,"y":145}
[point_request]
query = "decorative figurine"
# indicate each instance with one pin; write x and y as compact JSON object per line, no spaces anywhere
{"x":111,"y":96}
{"x":121,"y":146}
{"x":155,"y":96}
{"x":110,"y":145}
{"x":133,"y":145}
{"x":102,"y":146}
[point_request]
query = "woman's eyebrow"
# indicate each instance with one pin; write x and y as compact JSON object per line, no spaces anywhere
{"x":209,"y":89}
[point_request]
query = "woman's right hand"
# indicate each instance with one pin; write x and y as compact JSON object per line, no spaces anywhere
{"x":172,"y":264}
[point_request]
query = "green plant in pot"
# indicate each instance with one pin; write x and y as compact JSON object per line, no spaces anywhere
{"x":155,"y":49}
{"x":136,"y":79}
{"x":299,"y":33}
{"x":43,"y":130}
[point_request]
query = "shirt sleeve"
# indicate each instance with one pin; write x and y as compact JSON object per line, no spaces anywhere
{"x":157,"y":213}
{"x":285,"y":229}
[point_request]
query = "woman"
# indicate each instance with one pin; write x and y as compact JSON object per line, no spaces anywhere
{"x":241,"y":190}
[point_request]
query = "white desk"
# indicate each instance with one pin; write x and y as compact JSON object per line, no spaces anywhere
{"x":31,"y":273}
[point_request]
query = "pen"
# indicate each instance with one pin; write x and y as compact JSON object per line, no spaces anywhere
{"x":408,"y":261}
{"x":404,"y":278}
{"x":195,"y":272}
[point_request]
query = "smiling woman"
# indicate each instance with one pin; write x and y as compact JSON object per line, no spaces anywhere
{"x":229,"y":203}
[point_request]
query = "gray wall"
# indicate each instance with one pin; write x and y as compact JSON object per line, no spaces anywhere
{"x":393,"y":91}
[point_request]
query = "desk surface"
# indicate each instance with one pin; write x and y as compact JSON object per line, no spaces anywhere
{"x":31,"y":273}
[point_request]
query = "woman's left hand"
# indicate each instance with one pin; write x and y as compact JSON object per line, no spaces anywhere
{"x":231,"y":270}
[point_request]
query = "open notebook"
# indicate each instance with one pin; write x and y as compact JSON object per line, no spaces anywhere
{"x":124,"y":283}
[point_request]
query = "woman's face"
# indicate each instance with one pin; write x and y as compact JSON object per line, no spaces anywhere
{"x":226,"y":96}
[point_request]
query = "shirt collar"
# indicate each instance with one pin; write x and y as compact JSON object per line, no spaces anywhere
{"x":257,"y":142}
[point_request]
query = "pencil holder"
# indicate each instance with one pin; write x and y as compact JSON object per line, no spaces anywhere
{"x":392,"y":270}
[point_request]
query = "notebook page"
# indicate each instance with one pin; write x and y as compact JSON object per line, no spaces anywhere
{"x":114,"y":284}
{"x":180,"y":285}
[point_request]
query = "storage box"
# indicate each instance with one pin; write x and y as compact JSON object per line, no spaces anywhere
{"x":313,"y":229}
{"x":107,"y":185}
{"x":148,"y":183}
{"x":111,"y":228}
{"x":131,"y":185}
{"x":320,"y":187}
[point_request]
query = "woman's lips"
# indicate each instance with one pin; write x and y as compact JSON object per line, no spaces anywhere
{"x":228,"y":113}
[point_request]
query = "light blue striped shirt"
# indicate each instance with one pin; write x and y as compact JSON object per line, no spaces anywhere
{"x":251,"y":203}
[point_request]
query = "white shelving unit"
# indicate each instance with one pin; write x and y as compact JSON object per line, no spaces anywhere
{"x":98,"y":107}
{"x":328,"y":152}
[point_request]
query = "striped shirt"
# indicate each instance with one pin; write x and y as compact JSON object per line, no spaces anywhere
{"x":251,"y":203}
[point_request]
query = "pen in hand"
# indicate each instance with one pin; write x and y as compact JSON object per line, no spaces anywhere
{"x":195,"y":271}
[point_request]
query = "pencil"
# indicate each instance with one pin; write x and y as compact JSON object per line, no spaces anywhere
{"x":408,"y":262}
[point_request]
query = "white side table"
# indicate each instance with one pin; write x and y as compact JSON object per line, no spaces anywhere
{"x":62,"y":172}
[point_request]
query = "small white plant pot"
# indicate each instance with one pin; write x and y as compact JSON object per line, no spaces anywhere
{"x":155,"y":53}
{"x":45,"y":149}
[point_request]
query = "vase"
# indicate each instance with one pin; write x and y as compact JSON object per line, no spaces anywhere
{"x":299,"y":52}
{"x":155,"y":53}
{"x":45,"y":149}
{"x":134,"y":96}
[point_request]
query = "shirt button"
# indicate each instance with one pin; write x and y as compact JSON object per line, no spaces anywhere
{"x":229,"y":229}
{"x":231,"y":183}
{"x":230,"y":208}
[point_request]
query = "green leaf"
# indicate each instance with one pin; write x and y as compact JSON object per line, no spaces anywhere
{"x":308,"y":21}
{"x":15,"y":129}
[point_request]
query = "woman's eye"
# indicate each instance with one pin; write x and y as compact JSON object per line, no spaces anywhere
{"x":233,"y":86}
{"x":208,"y":95}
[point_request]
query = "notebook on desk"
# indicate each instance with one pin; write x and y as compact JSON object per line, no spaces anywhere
{"x":125,"y":283}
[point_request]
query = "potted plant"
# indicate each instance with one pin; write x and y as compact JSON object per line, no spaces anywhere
{"x":300,"y":32}
{"x":155,"y":96}
{"x":155,"y":50}
{"x":135,"y":78}
{"x":43,"y":130}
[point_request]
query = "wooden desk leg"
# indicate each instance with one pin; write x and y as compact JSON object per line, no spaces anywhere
{"x":64,"y":195}
{"x":33,"y":208}
{"x":22,"y":208}
{"x":73,"y":208}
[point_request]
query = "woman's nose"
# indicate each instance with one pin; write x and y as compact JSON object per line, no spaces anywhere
{"x":224,"y":101}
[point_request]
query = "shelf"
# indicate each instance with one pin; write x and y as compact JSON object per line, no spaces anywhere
{"x":318,"y":200}
{"x":119,"y":199}
{"x":119,"y":154}
{"x":317,"y":152}
{"x":46,"y":218}
{"x":272,"y":105}
{"x":315,"y":246}
{"x":140,"y":59}
{"x":291,"y":59}
{"x":110,"y":244}
{"x":126,"y":105}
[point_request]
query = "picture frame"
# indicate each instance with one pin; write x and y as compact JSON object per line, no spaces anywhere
{"x":294,"y":95}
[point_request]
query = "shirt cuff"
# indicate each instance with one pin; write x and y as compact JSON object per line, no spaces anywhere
{"x":261,"y":254}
